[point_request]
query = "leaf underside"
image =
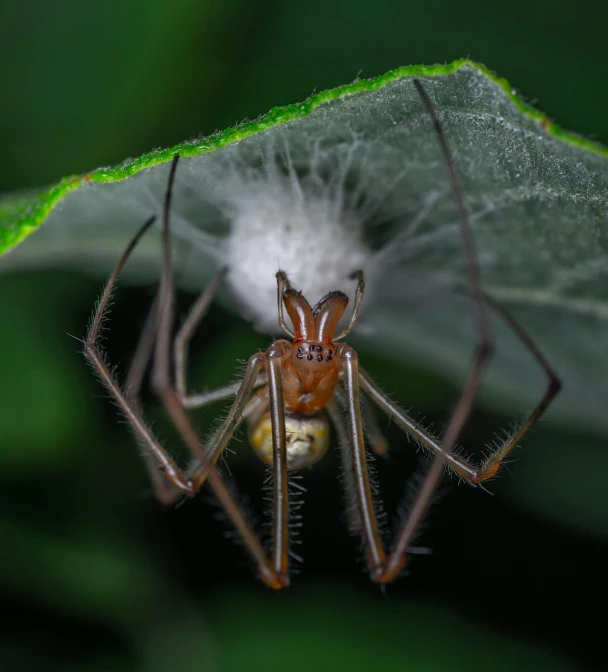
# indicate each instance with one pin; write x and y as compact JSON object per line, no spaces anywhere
{"x":537,"y":198}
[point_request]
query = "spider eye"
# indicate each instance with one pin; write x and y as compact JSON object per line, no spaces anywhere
{"x":320,"y":358}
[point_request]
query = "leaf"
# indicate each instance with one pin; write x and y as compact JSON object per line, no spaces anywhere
{"x":537,"y":198}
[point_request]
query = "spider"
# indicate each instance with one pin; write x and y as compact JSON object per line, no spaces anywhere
{"x":296,"y":382}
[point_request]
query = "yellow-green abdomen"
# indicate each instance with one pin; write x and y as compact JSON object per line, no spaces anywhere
{"x":306,"y":438}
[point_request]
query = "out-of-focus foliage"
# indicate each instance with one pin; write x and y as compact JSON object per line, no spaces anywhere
{"x":94,"y":575}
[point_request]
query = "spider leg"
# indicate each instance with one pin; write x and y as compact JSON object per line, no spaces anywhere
{"x":373,"y":433}
{"x":273,"y":572}
{"x":383,"y":568}
{"x":163,"y":385}
{"x":376,"y":556}
{"x":238,"y":410}
{"x":464,"y":468}
{"x":95,"y":357}
{"x":206,"y":398}
{"x":182,"y":340}
{"x":553,"y":387}
{"x":176,"y":477}
{"x":483,"y":355}
{"x":161,"y":375}
{"x":335,"y":411}
{"x":143,"y":353}
{"x":280,"y":527}
{"x":444,"y":450}
{"x":145,"y":346}
{"x":386,"y":568}
{"x":163,"y":491}
{"x":166,"y":494}
{"x":467,"y":470}
{"x":180,"y":352}
{"x":377,"y":440}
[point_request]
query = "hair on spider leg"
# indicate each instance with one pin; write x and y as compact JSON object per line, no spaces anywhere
{"x":420,"y":550}
{"x":374,"y":481}
{"x":295,"y":522}
{"x":503,"y":436}
{"x":220,"y":516}
{"x":76,"y":338}
{"x":299,"y":559}
{"x":382,"y":518}
{"x":412,"y":488}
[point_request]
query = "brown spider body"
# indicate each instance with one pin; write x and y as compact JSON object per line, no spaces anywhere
{"x":300,"y":384}
{"x":310,"y":366}
{"x":310,"y":371}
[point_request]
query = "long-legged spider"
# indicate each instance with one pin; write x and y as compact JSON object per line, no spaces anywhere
{"x":298,"y":380}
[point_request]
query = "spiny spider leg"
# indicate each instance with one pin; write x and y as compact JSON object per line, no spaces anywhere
{"x":273,"y":573}
{"x":483,"y":354}
{"x":180,"y":351}
{"x":96,"y":359}
{"x":373,"y":433}
{"x":462,"y":467}
{"x":553,"y":388}
{"x":144,"y":349}
{"x":376,"y":438}
{"x":164,"y":492}
{"x":162,"y":489}
{"x":386,"y":568}
{"x":335,"y":410}
{"x":369,"y":524}
{"x":143,"y":353}
{"x":280,"y":519}
{"x":182,"y":340}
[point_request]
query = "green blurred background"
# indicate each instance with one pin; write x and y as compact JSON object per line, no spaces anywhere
{"x":94,"y":574}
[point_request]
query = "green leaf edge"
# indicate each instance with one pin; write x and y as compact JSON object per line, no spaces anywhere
{"x":29,"y":213}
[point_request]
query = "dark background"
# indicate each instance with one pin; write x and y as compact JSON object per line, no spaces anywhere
{"x":94,"y":574}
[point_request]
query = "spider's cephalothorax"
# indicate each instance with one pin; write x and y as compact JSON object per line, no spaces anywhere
{"x":310,"y":370}
{"x":283,"y":396}
{"x":310,"y":366}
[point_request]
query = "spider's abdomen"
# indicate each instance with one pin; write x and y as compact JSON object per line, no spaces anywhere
{"x":306,"y":438}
